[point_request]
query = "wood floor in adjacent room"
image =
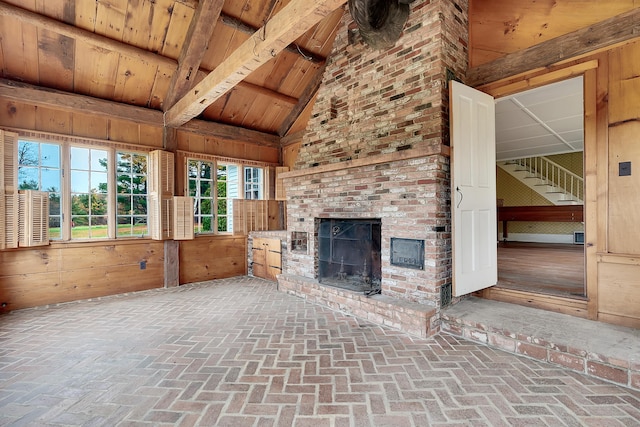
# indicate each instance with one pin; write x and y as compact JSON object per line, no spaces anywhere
{"x":556,"y":269}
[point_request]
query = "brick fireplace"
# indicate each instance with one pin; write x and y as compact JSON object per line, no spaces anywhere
{"x":376,"y":148}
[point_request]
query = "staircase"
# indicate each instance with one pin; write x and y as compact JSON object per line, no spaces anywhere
{"x":553,"y":182}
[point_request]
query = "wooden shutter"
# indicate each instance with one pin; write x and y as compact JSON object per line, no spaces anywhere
{"x":280,"y":193}
{"x":250,"y":215}
{"x":182,"y":218}
{"x":33,"y":218}
{"x":161,"y":173}
{"x":9,"y":220}
{"x":9,"y":155}
{"x":160,"y":217}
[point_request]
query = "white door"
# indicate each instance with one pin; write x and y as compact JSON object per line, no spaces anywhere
{"x":473,"y":189}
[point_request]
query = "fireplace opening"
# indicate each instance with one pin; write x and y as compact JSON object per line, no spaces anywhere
{"x":349,"y":254}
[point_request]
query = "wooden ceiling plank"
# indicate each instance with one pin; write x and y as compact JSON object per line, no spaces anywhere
{"x":57,"y":60}
{"x":106,"y":43}
{"x":588,"y":40}
{"x":306,"y":97}
{"x":181,"y":17}
{"x":81,"y":35}
{"x":286,"y":26}
{"x":198,"y":36}
{"x":50,"y":98}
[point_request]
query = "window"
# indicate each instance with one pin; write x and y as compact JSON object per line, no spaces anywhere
{"x":213,"y":194}
{"x":201,"y":183}
{"x":227,"y":190}
{"x":39,"y":168}
{"x":252,"y":183}
{"x":89,"y":192}
{"x":103,"y":195}
{"x":131,"y":179}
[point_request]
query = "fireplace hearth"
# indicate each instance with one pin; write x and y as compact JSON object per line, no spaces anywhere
{"x":349,"y":254}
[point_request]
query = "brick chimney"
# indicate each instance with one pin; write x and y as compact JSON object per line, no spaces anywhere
{"x":376,"y":147}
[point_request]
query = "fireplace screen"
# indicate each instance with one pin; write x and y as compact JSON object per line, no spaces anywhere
{"x":349,"y":254}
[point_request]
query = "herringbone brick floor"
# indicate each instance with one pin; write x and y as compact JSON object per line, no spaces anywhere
{"x":236,"y":352}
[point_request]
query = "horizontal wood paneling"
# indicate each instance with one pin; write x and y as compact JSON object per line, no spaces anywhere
{"x":215,"y":257}
{"x":68,"y":272}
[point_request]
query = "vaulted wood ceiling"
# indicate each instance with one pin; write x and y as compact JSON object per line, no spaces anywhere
{"x":254,"y":64}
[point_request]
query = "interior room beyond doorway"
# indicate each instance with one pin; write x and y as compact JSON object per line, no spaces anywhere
{"x":539,"y":158}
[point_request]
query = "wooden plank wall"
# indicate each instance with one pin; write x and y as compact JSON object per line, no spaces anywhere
{"x":69,"y":272}
{"x":208,"y":258}
{"x":619,"y":262}
{"x":612,"y":204}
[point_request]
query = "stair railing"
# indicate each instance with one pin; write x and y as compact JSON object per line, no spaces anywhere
{"x":553,"y":174}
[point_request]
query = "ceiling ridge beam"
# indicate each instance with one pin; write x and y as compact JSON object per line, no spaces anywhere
{"x":282,"y":29}
{"x":83,"y":104}
{"x":103,"y":42}
{"x":589,"y":40}
{"x":195,"y":44}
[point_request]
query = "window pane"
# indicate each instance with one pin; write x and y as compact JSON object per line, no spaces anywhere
{"x":124,"y":206}
{"x":205,"y":207}
{"x":200,"y":185}
{"x":132,"y":194}
{"x":28,"y":178}
{"x":205,"y":171}
{"x":99,"y":182}
{"x":99,"y":160}
{"x":28,"y":153}
{"x":205,"y":189}
{"x":123,"y":162}
{"x":99,"y":204}
{"x":50,"y":180}
{"x":139,"y":205}
{"x":192,"y":169}
{"x":79,"y":158}
{"x":80,"y":204}
{"x":79,"y":181}
{"x":50,"y":155}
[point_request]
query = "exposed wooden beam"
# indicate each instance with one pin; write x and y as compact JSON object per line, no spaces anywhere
{"x":64,"y":101}
{"x":587,"y":40}
{"x":282,"y":29}
{"x":112,"y":45}
{"x":237,"y":24}
{"x":285,"y":141}
{"x":200,"y":30}
{"x":304,"y":100}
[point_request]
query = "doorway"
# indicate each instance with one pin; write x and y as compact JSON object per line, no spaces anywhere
{"x":540,"y":190}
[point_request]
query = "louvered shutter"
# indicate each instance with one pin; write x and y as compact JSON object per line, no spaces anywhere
{"x":183,"y":218}
{"x":9,"y":220}
{"x":160,"y":217}
{"x":9,"y":151}
{"x":33,"y":218}
{"x":161,"y":173}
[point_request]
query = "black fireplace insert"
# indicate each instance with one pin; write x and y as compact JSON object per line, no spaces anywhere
{"x":349,"y":254}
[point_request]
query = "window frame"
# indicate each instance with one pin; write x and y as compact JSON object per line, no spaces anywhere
{"x":240,"y":183}
{"x":65,"y":144}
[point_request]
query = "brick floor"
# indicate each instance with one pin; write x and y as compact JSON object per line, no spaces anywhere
{"x":236,"y":352}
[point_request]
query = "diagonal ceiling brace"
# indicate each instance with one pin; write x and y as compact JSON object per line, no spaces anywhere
{"x":282,"y":29}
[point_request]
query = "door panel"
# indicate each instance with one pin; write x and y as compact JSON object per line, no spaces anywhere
{"x":473,"y":189}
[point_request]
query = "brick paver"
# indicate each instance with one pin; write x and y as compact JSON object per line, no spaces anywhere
{"x":236,"y":352}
